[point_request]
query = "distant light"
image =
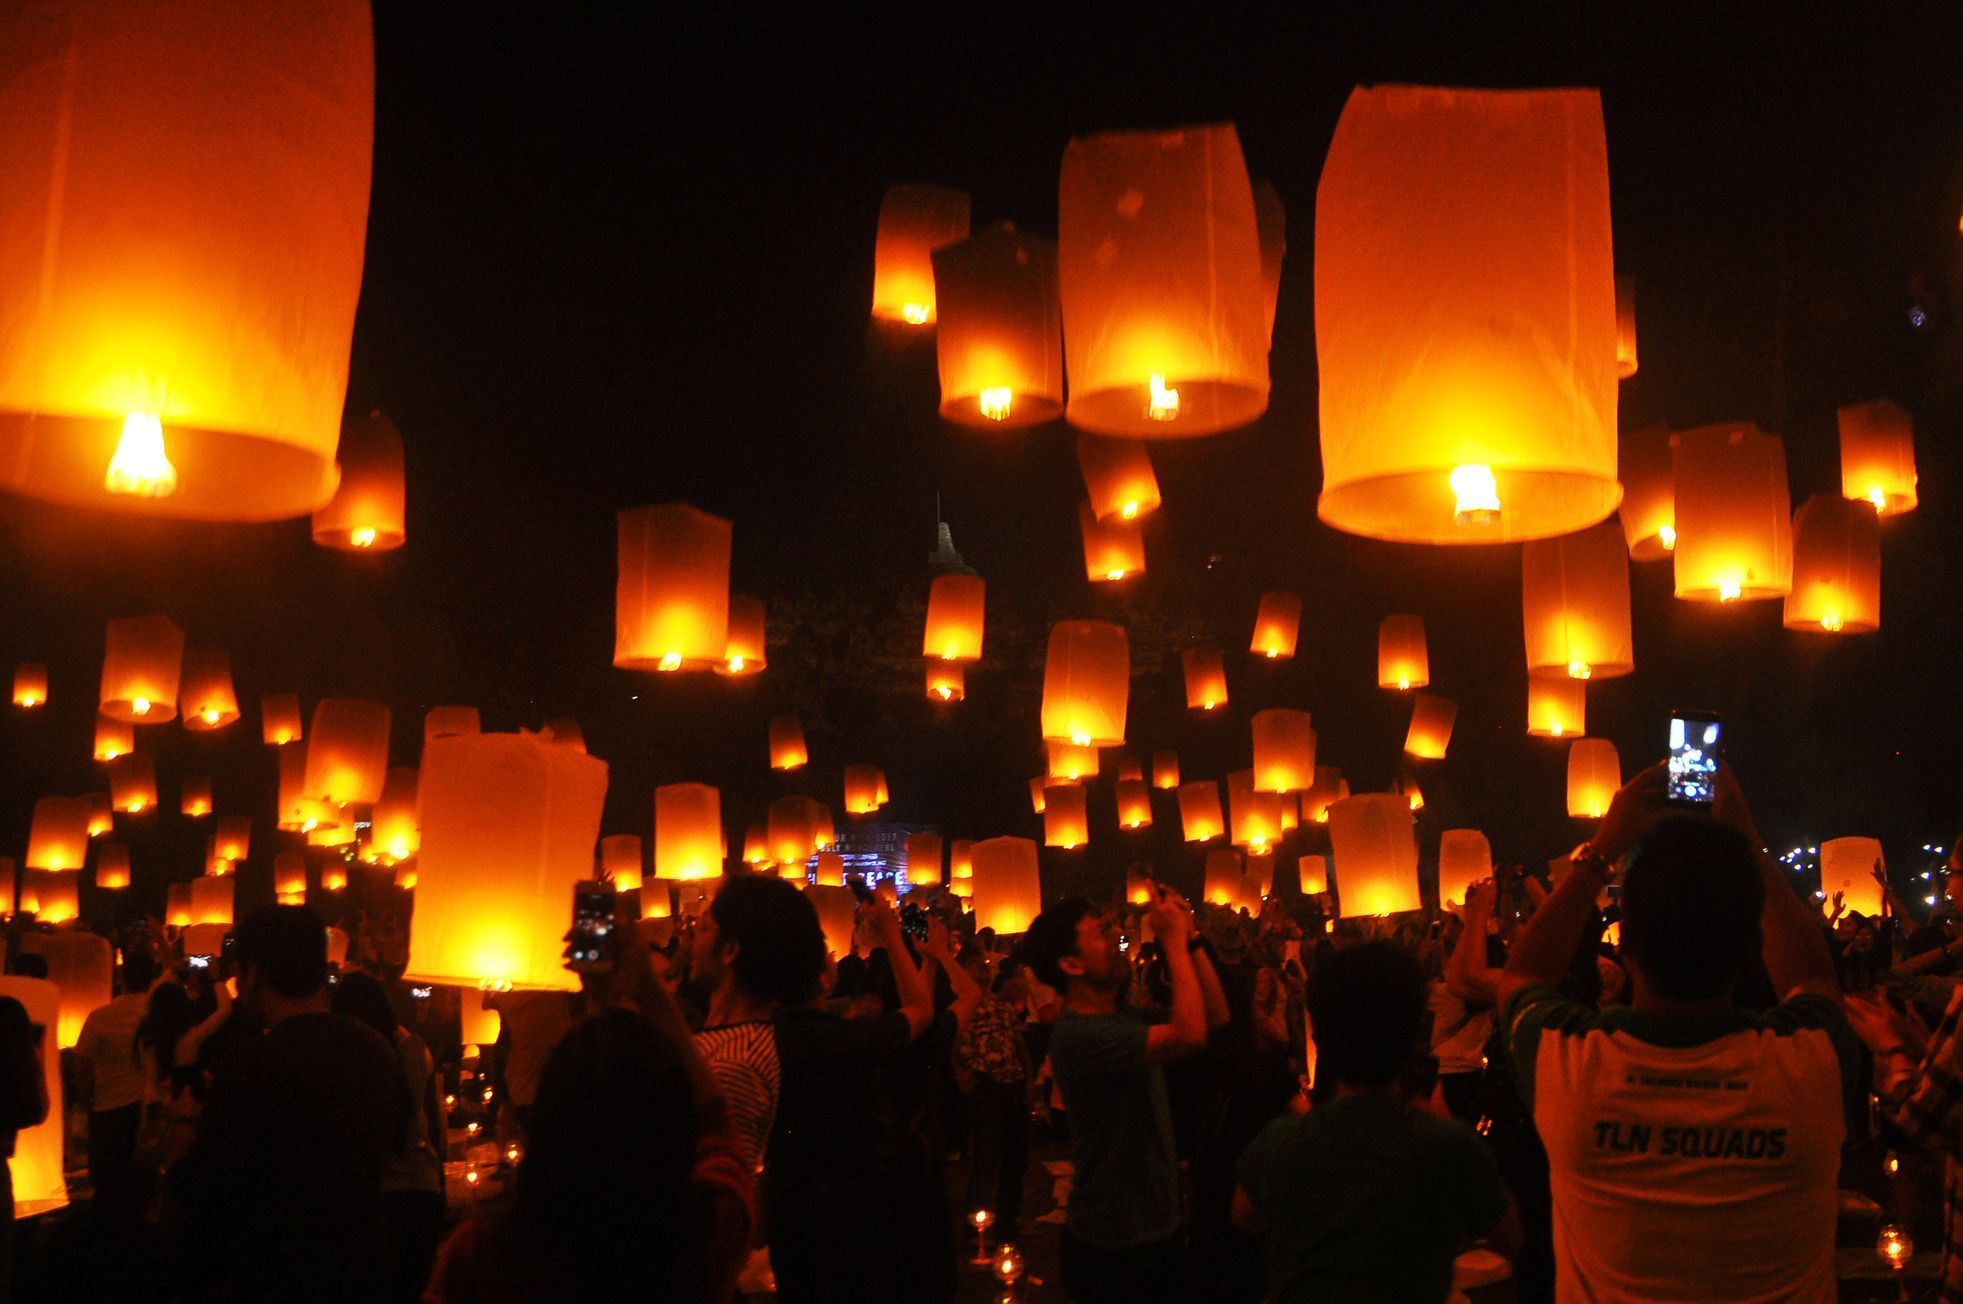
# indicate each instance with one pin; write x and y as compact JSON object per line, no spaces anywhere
{"x":1917,"y":317}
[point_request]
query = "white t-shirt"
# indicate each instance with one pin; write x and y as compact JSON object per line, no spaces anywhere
{"x":108,"y":1042}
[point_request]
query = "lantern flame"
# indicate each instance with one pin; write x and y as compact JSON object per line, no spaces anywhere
{"x":671,"y":661}
{"x":1478,"y":494}
{"x":735,"y":664}
{"x":1831,"y":622}
{"x":1129,"y":511}
{"x":915,"y":314}
{"x":1115,"y":574}
{"x":995,"y":403}
{"x":1165,"y":402}
{"x":1578,"y":669}
{"x":1556,"y":729}
{"x":1879,"y":497}
{"x":140,"y":706}
{"x":139,"y":467}
{"x":1667,"y":535}
{"x":211,"y":715}
{"x":1404,"y":684}
{"x":363,"y":537}
{"x":1730,"y":590}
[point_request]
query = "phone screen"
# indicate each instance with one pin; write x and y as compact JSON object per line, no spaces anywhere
{"x":198,"y":961}
{"x":1696,"y":742}
{"x":591,"y":940}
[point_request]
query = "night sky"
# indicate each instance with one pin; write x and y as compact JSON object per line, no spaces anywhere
{"x":618,"y":260}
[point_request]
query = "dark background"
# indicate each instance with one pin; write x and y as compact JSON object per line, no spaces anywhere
{"x":617,"y":260}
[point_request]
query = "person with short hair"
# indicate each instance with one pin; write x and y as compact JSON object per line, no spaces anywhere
{"x":1693,"y":1146}
{"x":115,"y":1088}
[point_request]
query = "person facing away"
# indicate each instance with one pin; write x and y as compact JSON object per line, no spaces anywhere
{"x":281,"y":1190}
{"x":1369,"y":1196}
{"x":1121,"y":1230}
{"x":1693,"y":1146}
{"x":117,"y":1081}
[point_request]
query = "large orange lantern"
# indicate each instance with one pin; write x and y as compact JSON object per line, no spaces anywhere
{"x":1206,"y":678}
{"x":1465,"y":316}
{"x":961,"y":859}
{"x":687,"y":831}
{"x":1118,"y":476}
{"x":1877,"y":456}
{"x":620,"y":857}
{"x":1086,"y":683}
{"x":1277,"y":623}
{"x":1557,"y":706}
{"x":58,"y":838}
{"x":1329,"y":787}
{"x":101,"y":813}
{"x":946,"y":682}
{"x":1199,"y":811}
{"x":1649,"y":494}
{"x":1008,"y":885}
{"x":1431,"y":726}
{"x":1134,"y":804}
{"x":113,"y":738}
{"x":743,"y":650}
{"x":393,"y":835}
{"x":112,"y":866}
{"x":193,"y":361}
{"x":1594,"y":775}
{"x":1113,"y":550}
{"x":914,"y":221}
{"x":279,"y":719}
{"x":794,"y":830}
{"x":1284,"y":750}
{"x":1271,"y":228}
{"x":787,"y":749}
{"x":1376,"y":855}
{"x":53,"y":896}
{"x":366,"y":512}
{"x":1574,"y":602}
{"x":231,"y":837}
{"x":1165,"y":770}
{"x":209,"y":700}
{"x":194,"y":796}
{"x":1464,"y":857}
{"x":30,"y":684}
{"x":448,"y":721}
{"x":1625,"y":327}
{"x":923,"y":859}
{"x":39,"y":1185}
{"x":1159,"y":262}
{"x":347,"y":751}
{"x":838,"y":915}
{"x":1069,"y":763}
{"x":671,"y":605}
{"x":1065,"y":821}
{"x":1836,"y":567}
{"x":290,"y":877}
{"x":1403,"y":661}
{"x":954,"y":618}
{"x":133,"y":783}
{"x":862,"y":789}
{"x":82,"y":968}
{"x":1734,"y":515}
{"x":1312,"y":872}
{"x":143,"y":659}
{"x":1000,"y":336}
{"x":509,"y":822}
{"x":211,"y":899}
{"x":1848,"y":866}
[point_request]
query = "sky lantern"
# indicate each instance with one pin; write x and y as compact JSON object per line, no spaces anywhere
{"x":101,"y":813}
{"x":1118,"y":476}
{"x":1086,"y":683}
{"x":1376,"y":855}
{"x":1036,"y":787}
{"x":862,"y":784}
{"x":954,"y":618}
{"x":946,"y":682}
{"x":39,"y":1185}
{"x":177,"y":905}
{"x":687,"y":831}
{"x":1159,"y":263}
{"x":830,"y":870}
{"x":1291,"y":811}
{"x":1284,"y":750}
{"x":914,"y":221}
{"x":756,"y":844}
{"x":231,"y":836}
{"x":113,"y":738}
{"x":53,"y":896}
{"x":211,"y":899}
{"x":509,"y":823}
{"x":1402,"y":659}
{"x":194,"y":796}
{"x":1065,"y":821}
{"x":279,"y":719}
{"x":838,"y":916}
{"x":999,"y":341}
{"x":479,"y":1024}
{"x":290,"y":877}
{"x":299,"y":813}
{"x":143,"y":658}
{"x":366,"y":512}
{"x":620,"y":857}
{"x":1329,"y":787}
{"x":1465,"y":316}
{"x":30,"y":684}
{"x":1199,"y":811}
{"x":6,"y":885}
{"x":347,"y":751}
{"x":1407,"y":787}
{"x":1113,"y":549}
{"x":447,"y":721}
{"x":208,"y":697}
{"x":1134,"y":804}
{"x":655,"y":899}
{"x":112,"y":866}
{"x":333,"y":874}
{"x":787,"y":749}
{"x":1877,"y":456}
{"x":393,"y":836}
{"x":671,"y":605}
{"x":1557,"y":706}
{"x":1165,"y":770}
{"x":1277,"y":623}
{"x":1139,"y":887}
{"x":1127,"y":767}
{"x":1008,"y":886}
{"x":1431,"y":726}
{"x":1625,"y":327}
{"x":1223,"y":881}
{"x":133,"y":784}
{"x":743,"y":652}
{"x":1594,"y":775}
{"x":960,"y":859}
{"x":824,"y":831}
{"x":1574,"y":603}
{"x":1254,"y":818}
{"x":924,"y":859}
{"x":1069,"y":763}
{"x":1464,"y":857}
{"x":1271,"y":230}
{"x":1649,"y":493}
{"x":1733,"y":514}
{"x":1206,"y":678}
{"x":192,"y":363}
{"x":1836,"y":567}
{"x":214,"y":864}
{"x":58,"y":838}
{"x":1313,"y":874}
{"x":82,"y":968}
{"x":1848,"y":865}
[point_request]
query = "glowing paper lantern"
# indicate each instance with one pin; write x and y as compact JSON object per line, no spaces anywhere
{"x":1407,"y":787}
{"x":1271,"y":229}
{"x":1464,"y":857}
{"x":862,"y":784}
{"x":1847,"y":865}
{"x":82,"y":967}
{"x":113,"y":738}
{"x":1734,"y":516}
{"x":1284,"y":750}
{"x":829,"y":871}
{"x":1291,"y":810}
{"x":1649,"y":494}
{"x":1165,"y":769}
{"x":1224,"y":882}
{"x":30,"y":684}
{"x":656,"y":899}
{"x":961,"y":859}
{"x":1465,"y":316}
{"x":620,"y":859}
{"x":946,"y":682}
{"x":339,"y":833}
{"x":1625,"y":327}
{"x":1376,"y":855}
{"x":1000,"y":337}
{"x":112,"y":866}
{"x":1065,"y":821}
{"x":333,"y":875}
{"x":192,"y":363}
{"x":393,"y":835}
{"x":1206,"y":678}
{"x":671,"y":608}
{"x":37,"y":1163}
{"x":838,"y":914}
{"x":1574,"y":602}
{"x":53,"y":896}
{"x":143,"y":658}
{"x":1139,"y":889}
{"x":1069,"y":763}
{"x":1329,"y":787}
{"x":509,"y":824}
{"x":1127,"y":767}
{"x":194,"y":795}
{"x":1313,"y":873}
{"x":100,"y":813}
{"x":347,"y":751}
{"x":366,"y":512}
{"x":914,"y":221}
{"x":279,"y":719}
{"x":1431,"y":726}
{"x":133,"y":784}
{"x":924,"y":859}
{"x":954,"y":618}
{"x":1877,"y":456}
{"x":1402,"y":659}
{"x":479,"y":1024}
{"x":1594,"y":775}
{"x":1037,"y":786}
{"x":1134,"y":804}
{"x":756,"y":845}
{"x":1199,"y":811}
{"x":1118,"y":476}
{"x":1008,"y":887}
{"x":1086,"y":681}
{"x":211,"y":899}
{"x":743,"y":650}
{"x":449,"y":721}
{"x":299,"y":813}
{"x":1836,"y":567}
{"x":687,"y":831}
{"x":1112,"y":549}
{"x":1254,"y":817}
{"x":177,"y":905}
{"x":1276,"y":625}
{"x":1557,"y":706}
{"x":794,"y":833}
{"x":564,"y":731}
{"x":232,"y":836}
{"x":290,"y":877}
{"x":1159,"y":262}
{"x":787,"y":750}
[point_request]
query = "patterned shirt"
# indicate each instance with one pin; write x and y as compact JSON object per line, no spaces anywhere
{"x":1927,"y":1104}
{"x":988,"y":1044}
{"x":743,"y":1058}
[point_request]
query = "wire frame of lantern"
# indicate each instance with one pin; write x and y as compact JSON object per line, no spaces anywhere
{"x":1086,"y":683}
{"x":1376,"y":855}
{"x":671,"y":600}
{"x":1118,"y":477}
{"x":1557,"y":706}
{"x":1574,"y":604}
{"x":1430,"y":733}
{"x":999,"y":338}
{"x":1836,"y":567}
{"x":1734,"y":515}
{"x":30,"y":685}
{"x":1277,"y":624}
{"x":142,"y":663}
{"x":1205,"y":674}
{"x":1594,"y":775}
{"x":1113,"y":550}
{"x":279,"y":719}
{"x":1877,"y":456}
{"x":1649,"y":495}
{"x":366,"y":513}
{"x":915,"y":219}
{"x":1200,"y":818}
{"x":1403,"y":660}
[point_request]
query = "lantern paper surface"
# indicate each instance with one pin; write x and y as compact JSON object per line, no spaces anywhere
{"x":1557,"y":706}
{"x":1376,"y":855}
{"x":756,"y":845}
{"x":1037,"y":787}
{"x":279,"y":719}
{"x":232,"y":837}
{"x":1403,"y":660}
{"x":1254,"y":818}
{"x":1594,"y":774}
{"x":143,"y":659}
{"x":1313,"y":872}
{"x":1877,"y":456}
{"x":1431,"y":726}
{"x":1464,"y":857}
{"x":961,"y":859}
{"x":393,"y":835}
{"x":54,"y":896}
{"x":100,"y":813}
{"x":39,"y":1185}
{"x":82,"y":968}
{"x":133,"y":783}
{"x":1199,"y":811}
{"x":946,"y":682}
{"x":1625,"y":327}
{"x":448,"y":721}
{"x":620,"y":857}
{"x":30,"y":684}
{"x":177,"y":289}
{"x":113,"y":738}
{"x":837,"y":915}
{"x":743,"y":650}
{"x":1069,"y":763}
{"x":954,"y":618}
{"x":1165,"y":769}
{"x":564,"y":731}
{"x":1836,"y":567}
{"x":656,"y":899}
{"x":1649,"y":494}
{"x":366,"y":512}
{"x":211,"y":899}
{"x":1113,"y":550}
{"x":1008,"y":886}
{"x":1465,"y":316}
{"x":509,"y":824}
{"x":290,"y":873}
{"x":1225,"y":880}
{"x":1847,"y":866}
{"x":864,"y":786}
{"x":787,"y":749}
{"x":1206,"y":678}
{"x":1284,"y":750}
{"x":1329,"y":787}
{"x":479,"y":1023}
{"x":194,"y":796}
{"x":1574,"y":603}
{"x":1734,"y":515}
{"x":1065,"y":821}
{"x":1086,"y":683}
{"x":1276,"y":625}
{"x":829,"y":871}
{"x":347,"y":751}
{"x":671,"y":604}
{"x":1118,"y":477}
{"x":914,"y":221}
{"x":999,"y":340}
{"x":1271,"y":228}
{"x":924,"y":859}
{"x":299,"y":813}
{"x":687,"y":831}
{"x":1127,"y":767}
{"x":1134,"y":804}
{"x":794,"y":831}
{"x":1159,"y":263}
{"x":1139,"y":888}
{"x":112,"y":866}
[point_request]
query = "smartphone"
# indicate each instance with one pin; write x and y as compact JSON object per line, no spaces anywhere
{"x":420,"y":993}
{"x":590,"y":944}
{"x":201,"y":962}
{"x":1696,"y":743}
{"x":913,"y":922}
{"x":859,"y":889}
